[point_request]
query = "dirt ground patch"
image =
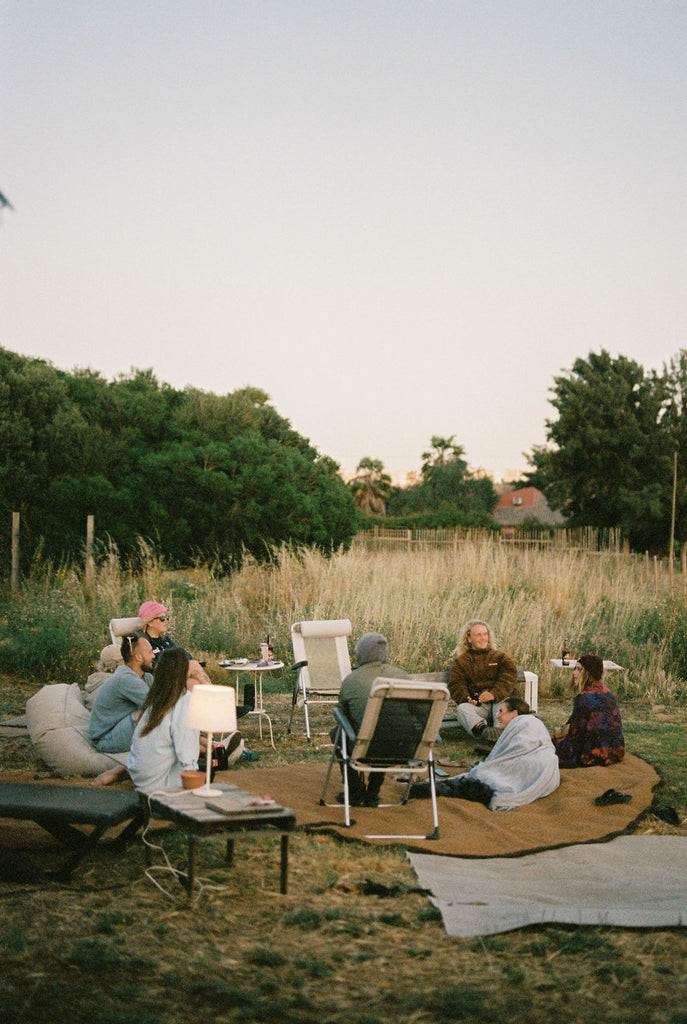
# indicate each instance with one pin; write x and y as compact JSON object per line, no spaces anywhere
{"x":353,"y":941}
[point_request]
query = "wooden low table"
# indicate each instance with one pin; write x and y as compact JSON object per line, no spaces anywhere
{"x":196,"y":816}
{"x":60,"y":809}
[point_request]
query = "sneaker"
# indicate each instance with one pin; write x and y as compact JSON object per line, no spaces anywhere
{"x":612,"y":796}
{"x":486,"y":733}
{"x":234,"y":747}
{"x":232,"y":741}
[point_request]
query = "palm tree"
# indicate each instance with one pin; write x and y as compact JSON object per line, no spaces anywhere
{"x":371,"y":487}
{"x":442,"y":450}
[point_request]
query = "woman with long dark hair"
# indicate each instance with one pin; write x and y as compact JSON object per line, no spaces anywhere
{"x":593,"y":735}
{"x":163,"y":746}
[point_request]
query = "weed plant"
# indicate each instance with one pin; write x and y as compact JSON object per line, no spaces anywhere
{"x":605,"y":603}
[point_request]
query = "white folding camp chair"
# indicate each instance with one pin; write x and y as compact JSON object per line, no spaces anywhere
{"x":120,"y":628}
{"x":397,"y":735}
{"x":321,"y":662}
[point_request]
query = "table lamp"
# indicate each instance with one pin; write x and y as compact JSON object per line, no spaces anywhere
{"x":211,"y":709}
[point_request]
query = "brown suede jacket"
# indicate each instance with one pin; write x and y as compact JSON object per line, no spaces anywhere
{"x":475,"y":671}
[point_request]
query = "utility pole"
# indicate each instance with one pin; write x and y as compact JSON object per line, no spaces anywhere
{"x":672,"y":522}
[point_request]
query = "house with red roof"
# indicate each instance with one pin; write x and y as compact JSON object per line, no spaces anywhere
{"x":514,"y":507}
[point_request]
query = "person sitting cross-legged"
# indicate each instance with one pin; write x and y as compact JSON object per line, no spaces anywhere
{"x":372,"y":654}
{"x":117,"y":703}
{"x":480,"y":679}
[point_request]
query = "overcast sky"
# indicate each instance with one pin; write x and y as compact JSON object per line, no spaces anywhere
{"x":398,"y":218}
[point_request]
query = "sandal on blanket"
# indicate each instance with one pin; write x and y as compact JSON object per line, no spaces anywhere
{"x":612,"y":796}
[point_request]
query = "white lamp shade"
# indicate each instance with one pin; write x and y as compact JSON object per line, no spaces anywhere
{"x":212,"y":708}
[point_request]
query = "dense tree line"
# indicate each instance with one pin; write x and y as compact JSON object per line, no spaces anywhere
{"x":200,"y":474}
{"x":610,"y":457}
{"x":445,"y":495}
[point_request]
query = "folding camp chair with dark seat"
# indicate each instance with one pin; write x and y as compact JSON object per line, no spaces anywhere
{"x":322,"y":661}
{"x":397,"y":735}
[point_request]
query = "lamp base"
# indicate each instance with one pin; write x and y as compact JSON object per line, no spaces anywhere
{"x":206,"y":790}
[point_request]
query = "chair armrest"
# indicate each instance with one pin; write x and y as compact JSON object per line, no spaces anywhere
{"x":341,"y":720}
{"x":298,"y":666}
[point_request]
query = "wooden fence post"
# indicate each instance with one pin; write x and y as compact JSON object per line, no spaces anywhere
{"x":15,"y":554}
{"x":90,"y":567}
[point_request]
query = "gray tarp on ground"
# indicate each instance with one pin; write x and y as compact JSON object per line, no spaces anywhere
{"x":630,"y":882}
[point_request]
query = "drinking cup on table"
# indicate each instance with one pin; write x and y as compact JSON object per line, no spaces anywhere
{"x":264,"y":652}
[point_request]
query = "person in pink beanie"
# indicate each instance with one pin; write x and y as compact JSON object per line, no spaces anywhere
{"x":155,"y":624}
{"x":155,"y":621}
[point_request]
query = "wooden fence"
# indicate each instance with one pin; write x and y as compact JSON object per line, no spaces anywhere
{"x":585,"y":538}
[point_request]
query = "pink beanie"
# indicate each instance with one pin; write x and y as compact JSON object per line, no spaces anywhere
{"x":150,"y":610}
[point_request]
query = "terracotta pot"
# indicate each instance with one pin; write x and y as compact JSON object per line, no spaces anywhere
{"x":192,"y":780}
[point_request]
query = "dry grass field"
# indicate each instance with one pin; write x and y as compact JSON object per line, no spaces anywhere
{"x":353,"y":941}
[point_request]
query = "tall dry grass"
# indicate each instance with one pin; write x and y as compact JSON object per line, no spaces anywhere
{"x":534,"y":600}
{"x":603,"y":603}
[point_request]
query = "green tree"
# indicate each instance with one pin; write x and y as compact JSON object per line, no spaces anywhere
{"x":442,"y":450}
{"x":540,"y":474}
{"x":371,"y":487}
{"x":446,"y":488}
{"x":612,"y":460}
{"x":199,"y":474}
{"x":675,"y":423}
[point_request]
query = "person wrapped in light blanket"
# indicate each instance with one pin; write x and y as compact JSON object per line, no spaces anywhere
{"x":521,"y":767}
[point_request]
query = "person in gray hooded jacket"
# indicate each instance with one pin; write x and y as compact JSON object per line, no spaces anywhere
{"x":372,"y":655}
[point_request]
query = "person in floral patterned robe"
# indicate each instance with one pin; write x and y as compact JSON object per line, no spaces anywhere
{"x":593,"y":735}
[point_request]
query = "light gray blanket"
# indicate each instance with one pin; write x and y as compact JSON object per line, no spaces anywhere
{"x":522,"y":766}
{"x":630,"y":882}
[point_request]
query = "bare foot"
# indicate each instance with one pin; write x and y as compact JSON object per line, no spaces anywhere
{"x":111,"y":775}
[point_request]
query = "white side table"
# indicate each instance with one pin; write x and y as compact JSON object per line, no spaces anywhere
{"x":609,"y":666}
{"x":256,"y":668}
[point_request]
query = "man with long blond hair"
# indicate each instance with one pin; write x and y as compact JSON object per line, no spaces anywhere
{"x":480,"y":679}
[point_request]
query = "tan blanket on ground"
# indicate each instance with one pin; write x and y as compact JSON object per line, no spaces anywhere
{"x":468,"y":829}
{"x":465,"y":829}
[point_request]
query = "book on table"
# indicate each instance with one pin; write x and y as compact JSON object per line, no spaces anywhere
{"x":243,"y":804}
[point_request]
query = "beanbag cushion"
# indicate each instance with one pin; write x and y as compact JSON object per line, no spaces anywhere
{"x":93,"y":684}
{"x":57,"y":721}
